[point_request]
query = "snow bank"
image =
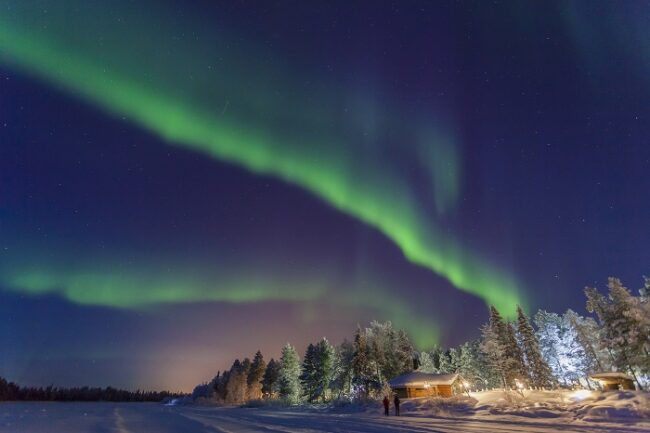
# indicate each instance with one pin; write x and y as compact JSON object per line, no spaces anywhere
{"x":437,"y":406}
{"x":619,"y":406}
{"x":579,"y":405}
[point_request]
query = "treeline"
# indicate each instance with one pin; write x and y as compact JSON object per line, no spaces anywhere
{"x":551,"y":350}
{"x":556,"y":350}
{"x":9,"y":391}
{"x":357,"y":368}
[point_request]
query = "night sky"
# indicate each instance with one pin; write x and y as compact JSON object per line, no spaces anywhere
{"x":182,"y":184}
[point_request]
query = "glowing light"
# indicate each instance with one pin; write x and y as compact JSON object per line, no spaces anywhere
{"x":581,"y":394}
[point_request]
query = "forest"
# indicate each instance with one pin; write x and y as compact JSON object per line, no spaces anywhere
{"x":551,"y":350}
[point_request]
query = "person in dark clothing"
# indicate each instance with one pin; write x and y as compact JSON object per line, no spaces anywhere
{"x":386,"y":403}
{"x":396,"y":402}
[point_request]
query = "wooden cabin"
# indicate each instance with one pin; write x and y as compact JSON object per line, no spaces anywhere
{"x":420,"y":384}
{"x":614,"y":381}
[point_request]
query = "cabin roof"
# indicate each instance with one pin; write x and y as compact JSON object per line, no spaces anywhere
{"x":611,"y":375}
{"x":418,"y":378}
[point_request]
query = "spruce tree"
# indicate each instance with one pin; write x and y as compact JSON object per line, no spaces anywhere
{"x":436,"y":353}
{"x":454,"y":358}
{"x":362,"y":369}
{"x":492,"y":347}
{"x":444,"y":362}
{"x":342,"y":377}
{"x":426,"y":363}
{"x":514,"y":358}
{"x":624,"y":333}
{"x":236,"y":386}
{"x":473,"y":366}
{"x":502,"y":351}
{"x":255,"y":375}
{"x":538,"y":369}
{"x":405,"y":352}
{"x":324,"y":371}
{"x":588,"y":336}
{"x":289,"y":377}
{"x":308,"y":373}
{"x":270,"y":380}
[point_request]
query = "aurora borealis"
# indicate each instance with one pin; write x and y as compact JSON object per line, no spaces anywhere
{"x":313,"y":167}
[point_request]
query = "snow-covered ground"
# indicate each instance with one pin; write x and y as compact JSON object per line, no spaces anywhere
{"x":537,"y":412}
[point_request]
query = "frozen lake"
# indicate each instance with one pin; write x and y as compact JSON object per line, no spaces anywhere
{"x":156,"y":418}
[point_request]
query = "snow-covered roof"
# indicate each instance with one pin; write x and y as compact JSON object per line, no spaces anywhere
{"x":418,"y":379}
{"x":612,"y":375}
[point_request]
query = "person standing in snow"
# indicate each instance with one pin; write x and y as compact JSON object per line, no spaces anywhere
{"x":396,"y":402}
{"x":386,"y":403}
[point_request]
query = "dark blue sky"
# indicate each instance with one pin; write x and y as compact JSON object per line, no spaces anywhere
{"x":129,"y":261}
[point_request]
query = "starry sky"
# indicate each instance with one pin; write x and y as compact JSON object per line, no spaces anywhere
{"x":182,"y":183}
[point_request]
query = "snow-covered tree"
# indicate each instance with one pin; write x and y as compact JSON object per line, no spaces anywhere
{"x":623,"y":321}
{"x":426,"y":363}
{"x":502,"y":350}
{"x":436,"y":353}
{"x":492,"y":345}
{"x":405,"y":352}
{"x":324,"y":372}
{"x":473,"y":366}
{"x":444,"y":362}
{"x":514,"y":357}
{"x":588,"y":336}
{"x":560,"y":347}
{"x":342,"y":377}
{"x":364,"y":375}
{"x":538,"y":369}
{"x":454,"y":356}
{"x":390,"y":351}
{"x":289,"y":377}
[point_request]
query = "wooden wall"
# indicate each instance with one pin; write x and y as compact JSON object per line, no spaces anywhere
{"x":439,"y":391}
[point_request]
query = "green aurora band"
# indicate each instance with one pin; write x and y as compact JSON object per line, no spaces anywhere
{"x":201,"y":94}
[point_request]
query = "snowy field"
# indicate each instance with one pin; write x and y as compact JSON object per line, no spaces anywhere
{"x":485,"y":412}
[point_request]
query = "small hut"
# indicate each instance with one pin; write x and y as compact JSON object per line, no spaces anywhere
{"x":419,"y":384}
{"x":613,"y":381}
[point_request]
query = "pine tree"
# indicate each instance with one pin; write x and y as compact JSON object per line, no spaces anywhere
{"x":444,"y":362}
{"x":342,"y":377}
{"x":324,"y":371}
{"x":454,"y":358}
{"x":538,"y":369}
{"x":492,"y":347}
{"x":221,"y":387}
{"x":270,"y":380}
{"x":624,"y":333}
{"x":384,"y":351}
{"x":436,"y":353}
{"x":588,"y":336}
{"x":502,"y":350}
{"x":255,"y":375}
{"x":426,"y":363}
{"x":405,"y":353}
{"x":555,"y":343}
{"x":514,"y":358}
{"x":236,"y":387}
{"x":473,"y":366}
{"x":308,"y":373}
{"x":363,"y":372}
{"x":289,"y":375}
